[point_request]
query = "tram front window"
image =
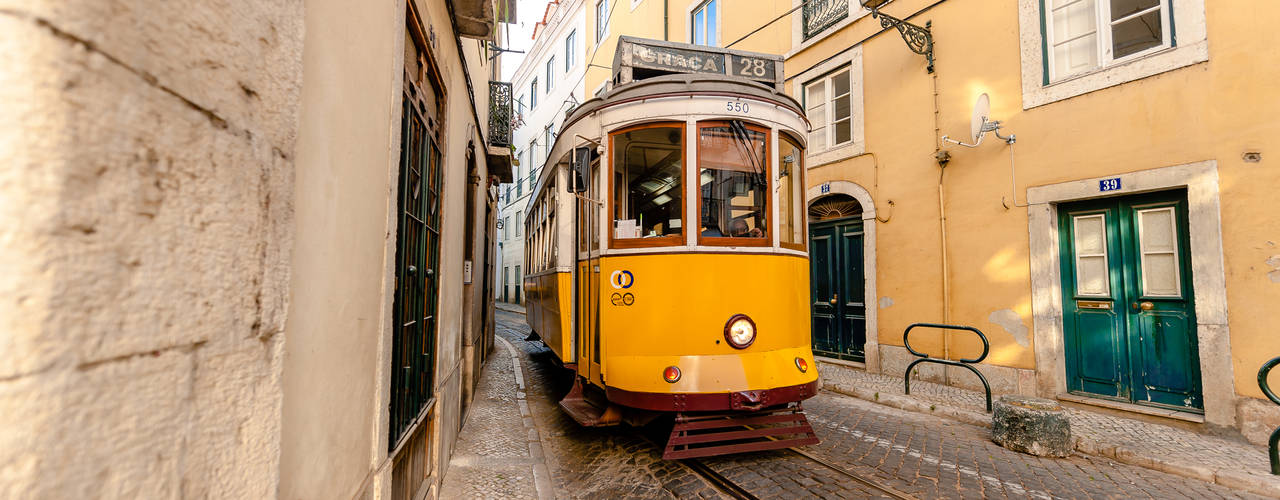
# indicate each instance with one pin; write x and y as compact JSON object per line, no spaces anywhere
{"x":648,"y":166}
{"x":733,"y":184}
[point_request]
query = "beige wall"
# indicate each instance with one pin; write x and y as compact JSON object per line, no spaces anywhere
{"x":338,"y":366}
{"x":347,"y":154}
{"x":144,"y":259}
{"x":1215,"y":110}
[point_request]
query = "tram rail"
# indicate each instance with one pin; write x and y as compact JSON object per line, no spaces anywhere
{"x":734,"y":490}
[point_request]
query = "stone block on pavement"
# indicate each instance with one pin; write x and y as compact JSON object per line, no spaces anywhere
{"x":1031,"y":425}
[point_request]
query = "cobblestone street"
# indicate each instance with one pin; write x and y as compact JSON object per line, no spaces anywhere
{"x":920,"y":455}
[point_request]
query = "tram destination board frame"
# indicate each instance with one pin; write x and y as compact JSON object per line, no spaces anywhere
{"x":656,"y":57}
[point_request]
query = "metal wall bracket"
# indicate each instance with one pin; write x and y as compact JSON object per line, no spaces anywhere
{"x":919,"y":40}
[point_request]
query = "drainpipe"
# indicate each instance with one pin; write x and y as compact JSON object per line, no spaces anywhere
{"x":665,"y":24}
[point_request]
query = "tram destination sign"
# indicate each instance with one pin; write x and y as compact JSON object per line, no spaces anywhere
{"x":638,"y":58}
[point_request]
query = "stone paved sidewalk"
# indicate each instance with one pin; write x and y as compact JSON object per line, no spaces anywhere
{"x":511,"y":308}
{"x":499,"y":452}
{"x":1234,"y":464}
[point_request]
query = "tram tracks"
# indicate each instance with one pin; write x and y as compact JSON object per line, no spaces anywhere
{"x":737,"y":491}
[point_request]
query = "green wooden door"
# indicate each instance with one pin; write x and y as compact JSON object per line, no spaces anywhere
{"x":1128,"y":310}
{"x":837,"y":289}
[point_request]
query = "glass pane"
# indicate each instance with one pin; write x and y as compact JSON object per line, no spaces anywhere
{"x":733,"y":181}
{"x":818,"y":138}
{"x":841,"y":108}
{"x":711,"y":22}
{"x":1090,"y":235}
{"x":1121,"y":9}
{"x":699,"y":28}
{"x":647,"y":182}
{"x":1074,"y":20}
{"x":790,"y":191}
{"x":1160,"y":274}
{"x":844,"y":133}
{"x":815,"y":95}
{"x":1075,"y":56}
{"x":1091,"y":276}
{"x":840,"y":83}
{"x":1136,"y":35}
{"x":1155,"y":229}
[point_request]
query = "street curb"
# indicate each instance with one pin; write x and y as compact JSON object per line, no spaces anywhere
{"x":510,"y":309}
{"x":541,"y":474}
{"x":1240,"y":480}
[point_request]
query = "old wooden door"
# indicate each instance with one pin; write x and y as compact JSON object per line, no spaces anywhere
{"x":837,"y":289}
{"x":1129,"y":313}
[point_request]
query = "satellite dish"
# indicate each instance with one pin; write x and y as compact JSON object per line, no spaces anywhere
{"x":981,"y":112}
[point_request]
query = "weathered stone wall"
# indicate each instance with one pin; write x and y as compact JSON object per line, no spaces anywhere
{"x":145,"y":232}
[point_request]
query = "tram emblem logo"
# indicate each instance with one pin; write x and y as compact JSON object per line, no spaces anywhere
{"x":621,"y":279}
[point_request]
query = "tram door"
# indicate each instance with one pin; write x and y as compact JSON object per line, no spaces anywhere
{"x":587,"y":279}
{"x":837,"y":279}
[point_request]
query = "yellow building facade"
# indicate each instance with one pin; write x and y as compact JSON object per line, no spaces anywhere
{"x":1120,"y":251}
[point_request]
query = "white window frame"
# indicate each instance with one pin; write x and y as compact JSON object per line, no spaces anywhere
{"x":1104,"y":30}
{"x":570,"y":50}
{"x":1189,"y":46}
{"x":694,"y":8}
{"x":533,"y":93}
{"x":602,"y":20}
{"x":1077,"y":255}
{"x":852,"y":60}
{"x":1143,"y":252}
{"x":551,"y":74}
{"x":829,"y":118}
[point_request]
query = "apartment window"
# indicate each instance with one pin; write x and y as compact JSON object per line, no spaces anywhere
{"x":602,"y":19}
{"x":570,"y":50}
{"x":704,"y":24}
{"x":828,"y":106}
{"x":1084,"y":35}
{"x":519,"y":221}
{"x":533,"y":94}
{"x":551,"y":73}
{"x":506,"y":228}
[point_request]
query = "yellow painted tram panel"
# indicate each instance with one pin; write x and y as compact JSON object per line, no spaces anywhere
{"x":659,"y":310}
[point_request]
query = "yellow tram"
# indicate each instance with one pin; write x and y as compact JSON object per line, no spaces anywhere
{"x":665,"y":248}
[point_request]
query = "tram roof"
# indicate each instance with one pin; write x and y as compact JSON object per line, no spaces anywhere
{"x":683,"y":84}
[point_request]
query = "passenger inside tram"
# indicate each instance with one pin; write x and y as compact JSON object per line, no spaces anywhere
{"x":733,"y":183}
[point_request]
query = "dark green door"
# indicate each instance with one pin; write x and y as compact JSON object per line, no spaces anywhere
{"x":839,"y":307}
{"x":1129,"y":314}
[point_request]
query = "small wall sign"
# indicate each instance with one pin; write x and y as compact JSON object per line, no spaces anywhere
{"x":826,"y":187}
{"x":1112,"y":184}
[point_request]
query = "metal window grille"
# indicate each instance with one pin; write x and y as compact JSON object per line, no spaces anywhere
{"x":417,"y":258}
{"x":819,"y":15}
{"x":500,"y":114}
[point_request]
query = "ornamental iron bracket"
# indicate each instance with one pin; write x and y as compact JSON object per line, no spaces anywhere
{"x":919,"y":40}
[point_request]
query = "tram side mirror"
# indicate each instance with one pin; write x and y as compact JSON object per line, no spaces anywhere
{"x":581,"y":164}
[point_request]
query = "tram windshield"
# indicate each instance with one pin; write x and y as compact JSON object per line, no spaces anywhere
{"x":733,"y":184}
{"x":648,"y":169}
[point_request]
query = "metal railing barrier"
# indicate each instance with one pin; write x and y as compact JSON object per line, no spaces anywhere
{"x":1275,"y":435}
{"x":963,"y":363}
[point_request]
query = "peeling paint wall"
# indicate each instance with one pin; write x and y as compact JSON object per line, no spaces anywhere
{"x":147,"y":199}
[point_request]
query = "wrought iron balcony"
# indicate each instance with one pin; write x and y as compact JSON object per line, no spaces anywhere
{"x":500,"y":117}
{"x":819,"y":15}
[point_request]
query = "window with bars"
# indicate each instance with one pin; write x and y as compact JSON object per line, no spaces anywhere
{"x":417,"y":260}
{"x":828,"y":104}
{"x":1084,"y":35}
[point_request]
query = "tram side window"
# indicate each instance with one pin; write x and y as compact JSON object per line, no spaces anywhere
{"x":790,"y":193}
{"x":648,"y":167}
{"x":733,"y":184}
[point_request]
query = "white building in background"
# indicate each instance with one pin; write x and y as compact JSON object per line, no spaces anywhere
{"x":547,"y":84}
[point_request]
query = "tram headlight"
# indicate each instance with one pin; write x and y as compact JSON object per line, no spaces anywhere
{"x":740,"y":331}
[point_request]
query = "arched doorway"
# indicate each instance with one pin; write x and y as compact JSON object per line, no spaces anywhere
{"x":837,"y":278}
